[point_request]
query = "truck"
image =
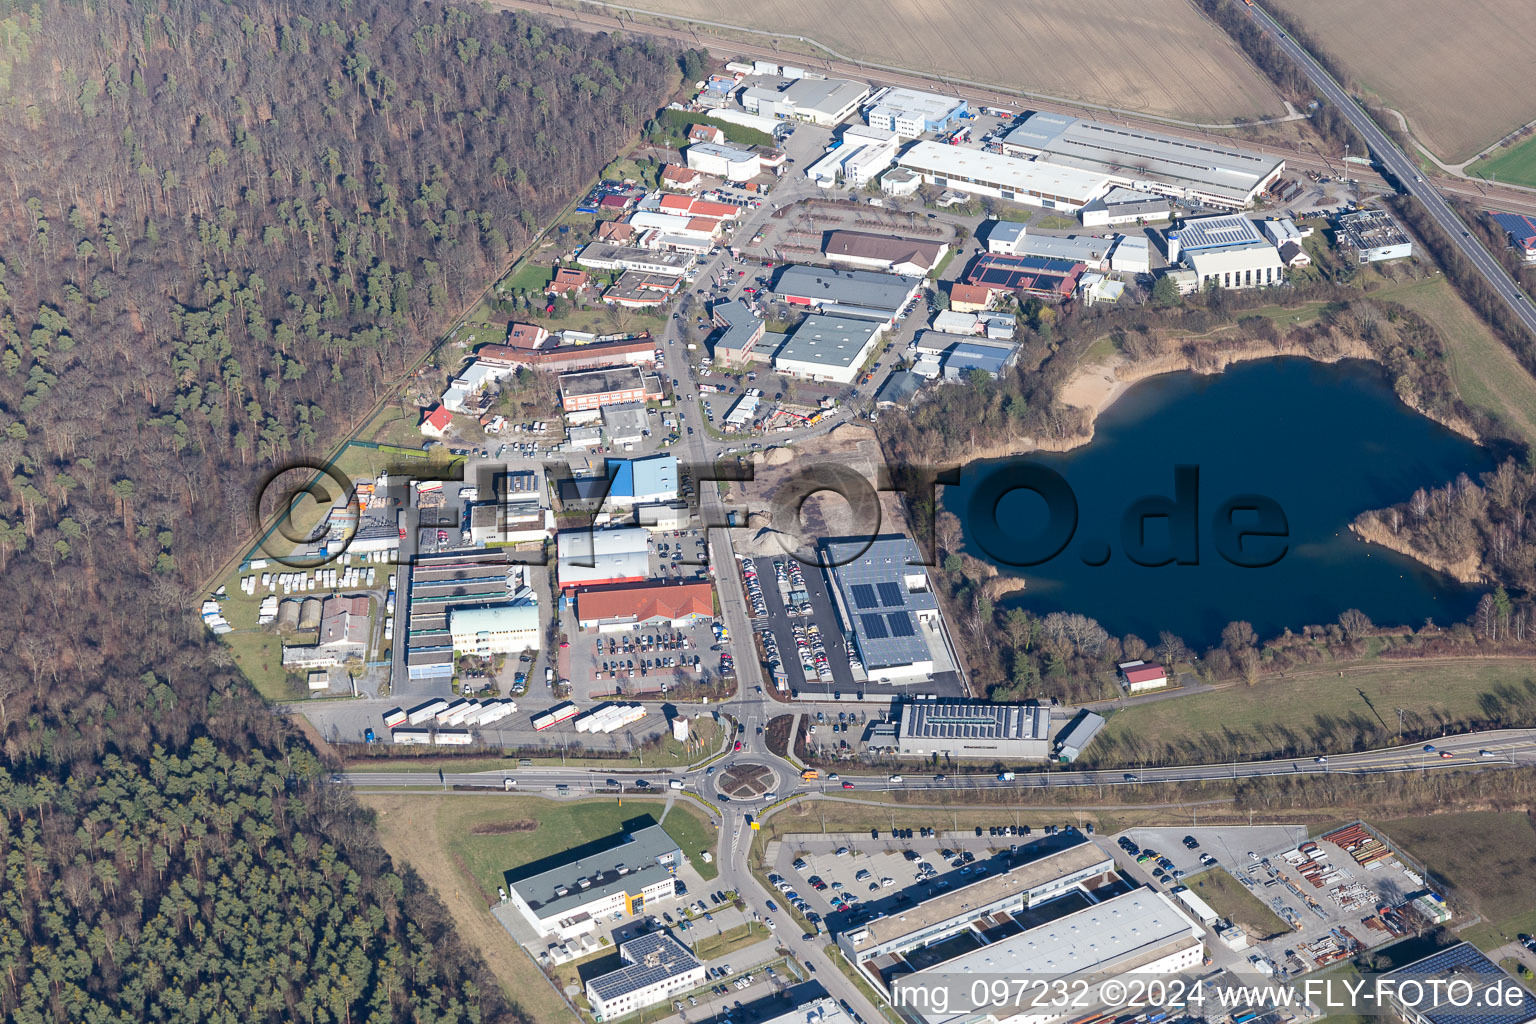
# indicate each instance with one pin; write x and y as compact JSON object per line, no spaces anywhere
{"x":809,"y":775}
{"x":453,"y":738}
{"x":394,"y":717}
{"x":1005,"y":777}
{"x":407,"y":737}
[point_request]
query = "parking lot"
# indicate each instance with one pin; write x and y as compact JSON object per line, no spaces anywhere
{"x":916,"y":868}
{"x":647,"y":658}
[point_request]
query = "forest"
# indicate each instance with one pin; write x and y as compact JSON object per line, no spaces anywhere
{"x":224,"y":232}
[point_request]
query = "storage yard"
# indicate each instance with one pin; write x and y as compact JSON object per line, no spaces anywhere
{"x":1160,"y":57}
{"x":1458,"y":72}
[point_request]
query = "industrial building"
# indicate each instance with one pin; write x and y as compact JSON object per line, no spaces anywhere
{"x":954,"y":356}
{"x":344,"y":626}
{"x":588,"y":557}
{"x":743,"y":330}
{"x":974,"y":729}
{"x":733,"y":163}
{"x":1032,"y":275}
{"x":1079,"y":733}
{"x":900,"y":181}
{"x":1035,"y":874}
{"x":626,"y":424}
{"x":1131,"y":255}
{"x":1141,"y":933}
{"x":868,"y":251}
{"x":820,"y":101}
{"x":590,"y":390}
{"x":828,"y":348}
{"x":1373,"y":236}
{"x":606,"y":256}
{"x":910,"y":112}
{"x":1255,"y":265}
{"x":864,"y":294}
{"x":625,"y":606}
{"x":1125,"y":206}
{"x":1034,"y":182}
{"x":640,"y":481}
{"x":1090,"y":250}
{"x":516,"y":521}
{"x":1199,"y":169}
{"x":656,"y":968}
{"x":1222,"y":231}
{"x":880,"y":590}
{"x":495,"y":629}
{"x":1522,"y":232}
{"x":825,"y":1010}
{"x":856,"y":159}
{"x":562,"y":358}
{"x":438,"y":584}
{"x":1003,"y":236}
{"x":638,"y":290}
{"x":1459,"y":985}
{"x":618,"y":875}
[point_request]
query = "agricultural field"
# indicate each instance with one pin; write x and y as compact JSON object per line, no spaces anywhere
{"x":1515,"y":165}
{"x":1156,"y":56}
{"x":1458,"y":72}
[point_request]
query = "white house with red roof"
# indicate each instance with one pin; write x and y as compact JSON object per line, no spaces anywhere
{"x":1141,"y":676}
{"x":436,"y":422}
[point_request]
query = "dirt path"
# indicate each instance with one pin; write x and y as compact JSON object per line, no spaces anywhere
{"x":410,"y":831}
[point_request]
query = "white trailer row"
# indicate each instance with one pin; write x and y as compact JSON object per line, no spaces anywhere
{"x":610,"y":717}
{"x":427,"y":737}
{"x":352,"y":577}
{"x":426,"y":712}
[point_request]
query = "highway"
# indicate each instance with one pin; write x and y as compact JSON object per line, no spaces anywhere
{"x":1505,"y":747}
{"x":1407,"y":173}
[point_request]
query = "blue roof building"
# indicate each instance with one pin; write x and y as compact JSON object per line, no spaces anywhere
{"x":636,"y":481}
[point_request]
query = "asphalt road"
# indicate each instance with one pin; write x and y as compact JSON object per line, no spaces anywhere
{"x":1408,"y":174}
{"x":1505,"y":747}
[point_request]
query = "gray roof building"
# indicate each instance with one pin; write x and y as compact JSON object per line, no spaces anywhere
{"x":637,"y":860}
{"x":824,"y":100}
{"x":1074,"y":739}
{"x":898,"y":388}
{"x":1173,"y":165}
{"x":842,"y":291}
{"x":828,"y":347}
{"x":743,"y":330}
{"x":882,"y":595}
{"x":974,"y":729}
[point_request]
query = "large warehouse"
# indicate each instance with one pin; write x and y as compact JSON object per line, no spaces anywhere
{"x":910,"y":113}
{"x":620,"y":875}
{"x":861,"y":154}
{"x":733,"y":163}
{"x":828,"y":348}
{"x":881,"y":593}
{"x":594,"y":557}
{"x":1035,"y":874}
{"x":1141,"y":933}
{"x":495,"y":629}
{"x":1034,"y":182}
{"x":1201,"y":169}
{"x":821,"y":101}
{"x":1229,"y":250}
{"x":626,"y":606}
{"x":974,"y":729}
{"x":865,"y":294}
{"x":870,"y":251}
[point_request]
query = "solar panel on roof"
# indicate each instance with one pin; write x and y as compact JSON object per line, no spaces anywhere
{"x":891,"y":595}
{"x":874,"y":627}
{"x":864,"y":595}
{"x":901,"y":623}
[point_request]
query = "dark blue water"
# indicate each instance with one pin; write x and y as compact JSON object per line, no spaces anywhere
{"x":1324,"y":442}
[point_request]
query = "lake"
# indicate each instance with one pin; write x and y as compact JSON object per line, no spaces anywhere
{"x":1323,"y":442}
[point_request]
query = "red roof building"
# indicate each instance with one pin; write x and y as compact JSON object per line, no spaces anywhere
{"x":525,"y":336}
{"x":674,"y":602}
{"x":969,"y":298}
{"x":617,"y":231}
{"x":706,"y":133}
{"x":688,"y":206}
{"x":612,"y":202}
{"x":678,"y":176}
{"x":561,"y":358}
{"x":1145,"y":677}
{"x":436,"y":421}
{"x":567,"y":281}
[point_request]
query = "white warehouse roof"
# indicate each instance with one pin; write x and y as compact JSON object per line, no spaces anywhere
{"x":1036,"y":177}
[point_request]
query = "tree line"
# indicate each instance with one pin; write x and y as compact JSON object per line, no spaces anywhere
{"x":225,"y":231}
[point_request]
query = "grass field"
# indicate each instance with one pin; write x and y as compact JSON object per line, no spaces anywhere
{"x":1457,"y":71}
{"x":1231,"y":900}
{"x":1312,"y":709}
{"x":1486,"y":372}
{"x":1489,"y":858}
{"x":1515,"y":165}
{"x":411,"y":827}
{"x":1156,"y":56}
